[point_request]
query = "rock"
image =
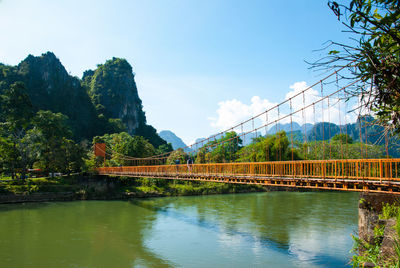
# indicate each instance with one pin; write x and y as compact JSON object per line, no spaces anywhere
{"x":368,"y":264}
{"x":388,"y":244}
{"x":50,"y":87}
{"x":367,"y":220}
{"x":113,"y":90}
{"x":370,"y":206}
{"x":375,"y":201}
{"x":113,"y":86}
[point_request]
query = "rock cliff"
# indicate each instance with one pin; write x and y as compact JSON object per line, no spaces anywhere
{"x":113,"y":91}
{"x":105,"y":100}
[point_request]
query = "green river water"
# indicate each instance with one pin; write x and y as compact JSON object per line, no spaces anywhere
{"x":274,"y":229}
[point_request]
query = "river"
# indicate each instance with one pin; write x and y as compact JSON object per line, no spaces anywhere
{"x":274,"y":229}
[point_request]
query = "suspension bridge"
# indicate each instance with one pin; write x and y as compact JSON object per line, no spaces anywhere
{"x":323,"y":164}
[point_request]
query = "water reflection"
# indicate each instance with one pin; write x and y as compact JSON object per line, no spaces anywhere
{"x":309,"y":228}
{"x":259,"y":230}
{"x":76,"y":234}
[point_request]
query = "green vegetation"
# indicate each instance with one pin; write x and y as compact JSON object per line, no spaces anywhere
{"x":373,"y":51}
{"x":270,"y":148}
{"x":40,"y":140}
{"x":104,"y":101}
{"x":389,"y":211}
{"x":36,"y":185}
{"x":220,"y":150}
{"x":372,"y":56}
{"x":340,"y":147}
{"x":175,"y":155}
{"x":371,"y":252}
{"x":114,"y":94}
{"x":277,"y":147}
{"x":176,"y":188}
{"x":48,"y":117}
{"x":121,"y":187}
{"x":122,"y":145}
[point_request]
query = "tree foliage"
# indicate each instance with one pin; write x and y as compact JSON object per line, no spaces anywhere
{"x":177,"y":155}
{"x":56,"y":152}
{"x":121,"y":147}
{"x":270,"y":148}
{"x":372,"y":54}
{"x":39,"y":140}
{"x":114,"y":94}
{"x":103,"y":101}
{"x":340,"y":147}
{"x":220,"y":150}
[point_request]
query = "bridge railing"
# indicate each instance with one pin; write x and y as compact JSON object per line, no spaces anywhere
{"x":358,"y":169}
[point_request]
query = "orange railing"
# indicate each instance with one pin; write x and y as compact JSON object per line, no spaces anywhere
{"x":355,"y":169}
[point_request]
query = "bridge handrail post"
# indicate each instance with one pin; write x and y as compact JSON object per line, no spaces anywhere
{"x":293,"y":167}
{"x":335,"y":169}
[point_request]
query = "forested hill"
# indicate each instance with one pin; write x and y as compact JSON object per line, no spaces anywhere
{"x":105,"y":100}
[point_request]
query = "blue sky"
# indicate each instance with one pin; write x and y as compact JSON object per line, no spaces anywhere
{"x":192,"y":59}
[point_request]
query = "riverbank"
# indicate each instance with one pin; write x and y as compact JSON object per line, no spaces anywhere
{"x":89,"y":187}
{"x":377,"y":244}
{"x":96,"y":187}
{"x":92,"y":187}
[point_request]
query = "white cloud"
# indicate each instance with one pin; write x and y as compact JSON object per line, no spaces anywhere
{"x":232,"y":112}
{"x":332,"y":109}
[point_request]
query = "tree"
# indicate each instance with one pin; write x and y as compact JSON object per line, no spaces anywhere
{"x":175,"y":155}
{"x":51,"y":138}
{"x":221,"y":150}
{"x":17,"y":108}
{"x":164,"y":148}
{"x":122,"y":147}
{"x":269,"y":148}
{"x":73,"y":156}
{"x":17,"y":112}
{"x":342,"y":138}
{"x":341,"y":146}
{"x":6,"y":154}
{"x":374,"y":58}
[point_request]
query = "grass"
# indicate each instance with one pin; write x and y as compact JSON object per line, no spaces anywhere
{"x":389,"y":211}
{"x":33,"y":185}
{"x":178,"y":188}
{"x":370,"y":252}
{"x":365,"y":252}
{"x":121,"y":186}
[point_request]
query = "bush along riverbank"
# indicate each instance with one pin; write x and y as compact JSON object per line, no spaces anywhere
{"x":89,"y":187}
{"x":378,"y":241}
{"x":95,"y":187}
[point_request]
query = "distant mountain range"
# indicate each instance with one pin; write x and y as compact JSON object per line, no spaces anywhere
{"x":175,"y":141}
{"x":290,"y":127}
{"x":246,"y":139}
{"x":361,"y":129}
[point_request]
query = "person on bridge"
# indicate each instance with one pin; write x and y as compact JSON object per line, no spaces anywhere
{"x":189,"y":164}
{"x":177,"y":162}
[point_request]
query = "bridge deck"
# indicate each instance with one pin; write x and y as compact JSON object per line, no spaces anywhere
{"x":373,"y":175}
